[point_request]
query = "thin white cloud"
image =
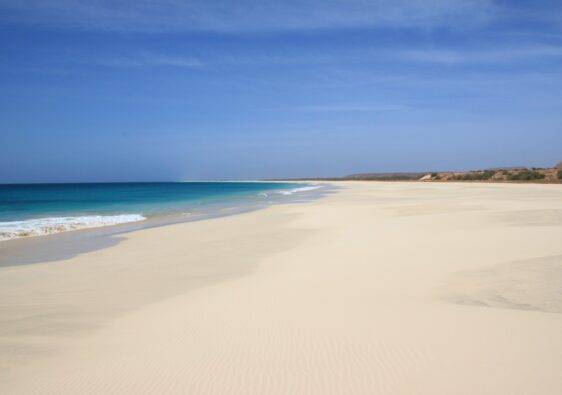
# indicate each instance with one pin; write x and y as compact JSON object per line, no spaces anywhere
{"x":356,"y":58}
{"x":145,"y":60}
{"x":175,"y":61}
{"x":453,"y":57}
{"x":383,"y":56}
{"x":353,"y":108}
{"x":437,"y":56}
{"x":243,"y":15}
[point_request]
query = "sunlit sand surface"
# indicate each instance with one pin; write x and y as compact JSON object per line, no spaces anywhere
{"x":390,"y":288}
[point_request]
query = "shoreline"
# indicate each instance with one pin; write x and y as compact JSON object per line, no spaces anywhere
{"x":33,"y":210}
{"x":66,"y":244}
{"x":377,"y":288}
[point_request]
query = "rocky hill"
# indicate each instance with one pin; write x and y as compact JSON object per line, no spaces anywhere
{"x":544,"y":175}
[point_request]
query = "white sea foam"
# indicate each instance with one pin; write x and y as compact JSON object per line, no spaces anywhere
{"x":300,"y":189}
{"x":46,"y":226}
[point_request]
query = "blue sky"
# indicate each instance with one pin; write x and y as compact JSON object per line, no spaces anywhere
{"x":173,"y":90}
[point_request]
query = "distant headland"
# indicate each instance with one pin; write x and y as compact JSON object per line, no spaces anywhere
{"x":545,"y":175}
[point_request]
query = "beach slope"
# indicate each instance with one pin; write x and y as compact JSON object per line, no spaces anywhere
{"x":390,"y":288}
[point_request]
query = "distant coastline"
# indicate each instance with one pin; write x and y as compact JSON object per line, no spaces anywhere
{"x":543,"y":175}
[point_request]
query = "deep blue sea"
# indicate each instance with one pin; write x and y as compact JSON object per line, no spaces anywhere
{"x":40,"y":209}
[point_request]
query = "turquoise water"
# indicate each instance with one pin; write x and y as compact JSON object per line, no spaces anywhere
{"x":38,"y":209}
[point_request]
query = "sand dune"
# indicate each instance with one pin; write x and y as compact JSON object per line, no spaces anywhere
{"x":390,"y":288}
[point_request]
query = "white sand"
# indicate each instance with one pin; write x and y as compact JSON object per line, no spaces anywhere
{"x":391,"y":288}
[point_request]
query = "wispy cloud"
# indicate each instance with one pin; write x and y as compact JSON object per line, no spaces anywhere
{"x":353,"y":108}
{"x":492,"y":55}
{"x":452,"y":57}
{"x":144,"y":60}
{"x":243,"y":15}
{"x":458,"y":56}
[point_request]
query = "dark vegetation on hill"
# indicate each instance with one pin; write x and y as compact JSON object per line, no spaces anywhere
{"x":475,"y":176}
{"x":526,"y":175}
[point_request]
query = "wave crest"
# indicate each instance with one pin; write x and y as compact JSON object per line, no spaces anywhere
{"x":46,"y":226}
{"x":300,"y":189}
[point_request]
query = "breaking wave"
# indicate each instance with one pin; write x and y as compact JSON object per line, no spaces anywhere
{"x":300,"y":189}
{"x":47,"y":226}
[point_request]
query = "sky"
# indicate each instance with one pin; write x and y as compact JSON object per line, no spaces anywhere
{"x":144,"y":90}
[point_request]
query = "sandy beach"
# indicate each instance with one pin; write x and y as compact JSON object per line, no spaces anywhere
{"x":379,"y":288}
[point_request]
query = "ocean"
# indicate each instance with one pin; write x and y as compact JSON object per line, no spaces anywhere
{"x":42,"y":209}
